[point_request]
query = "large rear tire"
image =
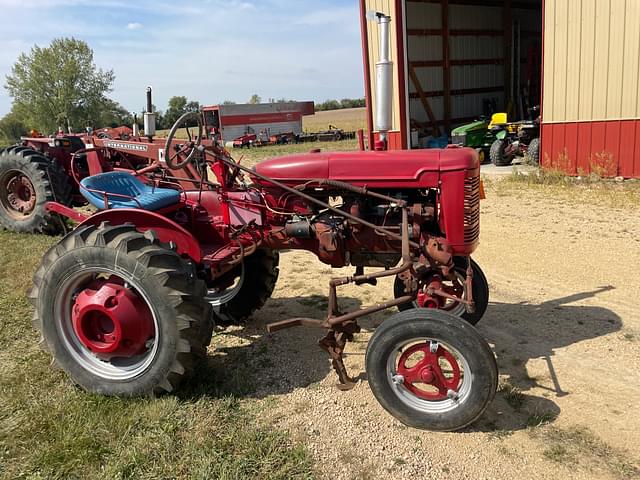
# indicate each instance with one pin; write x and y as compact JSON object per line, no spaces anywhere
{"x":28,"y":180}
{"x":497,"y":154}
{"x":257,"y":283}
{"x":480,"y":288}
{"x":431,"y":370}
{"x":533,"y":152}
{"x":120,"y":312}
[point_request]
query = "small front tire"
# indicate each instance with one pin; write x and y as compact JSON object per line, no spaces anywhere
{"x":480,"y":288}
{"x":431,"y":370}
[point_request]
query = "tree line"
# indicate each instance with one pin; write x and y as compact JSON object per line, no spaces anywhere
{"x":340,"y":104}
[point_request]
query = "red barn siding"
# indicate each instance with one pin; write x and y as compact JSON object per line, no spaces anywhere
{"x":608,"y":148}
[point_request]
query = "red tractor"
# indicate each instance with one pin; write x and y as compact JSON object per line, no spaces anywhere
{"x":126,"y":302}
{"x":49,"y":169}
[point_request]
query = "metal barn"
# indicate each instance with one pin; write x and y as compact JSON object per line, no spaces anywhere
{"x":263,"y":119}
{"x":455,"y":60}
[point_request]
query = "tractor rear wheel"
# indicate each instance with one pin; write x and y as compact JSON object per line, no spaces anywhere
{"x":249,"y":287}
{"x":431,"y":370}
{"x":28,"y":180}
{"x":480,"y":288}
{"x":533,"y":152}
{"x":120,"y":312}
{"x":497,"y":154}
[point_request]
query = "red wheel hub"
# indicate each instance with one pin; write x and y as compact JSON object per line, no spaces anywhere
{"x":435,"y":283}
{"x":425,"y":378}
{"x":19,"y":194}
{"x":428,"y":301}
{"x":111,"y":320}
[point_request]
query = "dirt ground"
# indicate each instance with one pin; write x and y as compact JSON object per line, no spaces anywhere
{"x":563,"y":324}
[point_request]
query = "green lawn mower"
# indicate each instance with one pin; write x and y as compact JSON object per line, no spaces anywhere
{"x":475,"y":135}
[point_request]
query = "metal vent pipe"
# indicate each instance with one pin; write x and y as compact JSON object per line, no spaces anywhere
{"x":384,"y":77}
{"x":149,"y":117}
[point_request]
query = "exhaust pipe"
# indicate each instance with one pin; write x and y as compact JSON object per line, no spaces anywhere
{"x":384,"y":79}
{"x":149,"y":118}
{"x":136,"y":129}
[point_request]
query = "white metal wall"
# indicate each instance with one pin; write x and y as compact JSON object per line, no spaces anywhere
{"x":591,"y":60}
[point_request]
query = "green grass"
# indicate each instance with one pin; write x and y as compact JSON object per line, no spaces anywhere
{"x":51,"y":429}
{"x":579,"y":447}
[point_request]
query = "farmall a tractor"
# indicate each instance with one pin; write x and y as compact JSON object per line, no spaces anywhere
{"x":126,"y":302}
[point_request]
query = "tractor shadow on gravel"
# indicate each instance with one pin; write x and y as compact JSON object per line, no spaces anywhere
{"x":245,"y":361}
{"x":521,"y":332}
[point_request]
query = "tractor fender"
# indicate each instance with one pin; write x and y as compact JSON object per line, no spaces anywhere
{"x":167,"y":230}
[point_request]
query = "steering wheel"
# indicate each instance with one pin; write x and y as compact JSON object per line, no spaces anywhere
{"x":189,"y":149}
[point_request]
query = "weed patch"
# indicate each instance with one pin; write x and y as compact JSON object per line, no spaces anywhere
{"x":578,"y":446}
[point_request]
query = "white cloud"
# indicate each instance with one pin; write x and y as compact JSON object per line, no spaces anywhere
{"x":276,"y":48}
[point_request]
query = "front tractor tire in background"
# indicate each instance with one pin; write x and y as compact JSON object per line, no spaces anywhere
{"x":480,"y":288}
{"x":497,"y":154}
{"x":253,"y":285}
{"x":28,"y":180}
{"x":533,"y":152}
{"x":120,"y":312}
{"x":431,"y":370}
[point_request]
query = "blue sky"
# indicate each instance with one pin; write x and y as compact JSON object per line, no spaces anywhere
{"x":207,"y":50}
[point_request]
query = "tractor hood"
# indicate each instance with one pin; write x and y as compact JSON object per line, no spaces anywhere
{"x":389,"y":169}
{"x":470,"y":127}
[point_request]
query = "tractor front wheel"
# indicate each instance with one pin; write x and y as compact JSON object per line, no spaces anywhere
{"x":431,"y":370}
{"x":28,"y":180}
{"x":497,"y":153}
{"x":246,"y":288}
{"x":120,"y":312}
{"x":479,"y":284}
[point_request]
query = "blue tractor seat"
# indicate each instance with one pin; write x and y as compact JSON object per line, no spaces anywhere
{"x":137,"y":194}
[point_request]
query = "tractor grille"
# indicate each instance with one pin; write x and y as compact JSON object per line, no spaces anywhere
{"x":472,"y":208}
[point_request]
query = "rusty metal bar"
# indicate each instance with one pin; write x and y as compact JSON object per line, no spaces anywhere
{"x":376,"y":228}
{"x":294,"y":322}
{"x":352,"y":188}
{"x":366,"y":311}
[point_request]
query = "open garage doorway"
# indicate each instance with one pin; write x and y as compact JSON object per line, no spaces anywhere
{"x":466,"y":60}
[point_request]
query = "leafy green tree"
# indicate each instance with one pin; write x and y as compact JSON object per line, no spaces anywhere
{"x":59,"y":85}
{"x":112,"y":115}
{"x":178,"y":106}
{"x":11,"y":128}
{"x":192,"y":106}
{"x":228,"y":102}
{"x":255,"y":99}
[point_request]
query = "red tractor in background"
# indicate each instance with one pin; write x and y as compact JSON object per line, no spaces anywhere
{"x":49,"y":169}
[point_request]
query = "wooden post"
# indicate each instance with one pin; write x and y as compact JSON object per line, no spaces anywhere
{"x":424,"y":101}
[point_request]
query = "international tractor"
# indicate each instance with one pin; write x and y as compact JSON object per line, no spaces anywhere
{"x":126,"y":302}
